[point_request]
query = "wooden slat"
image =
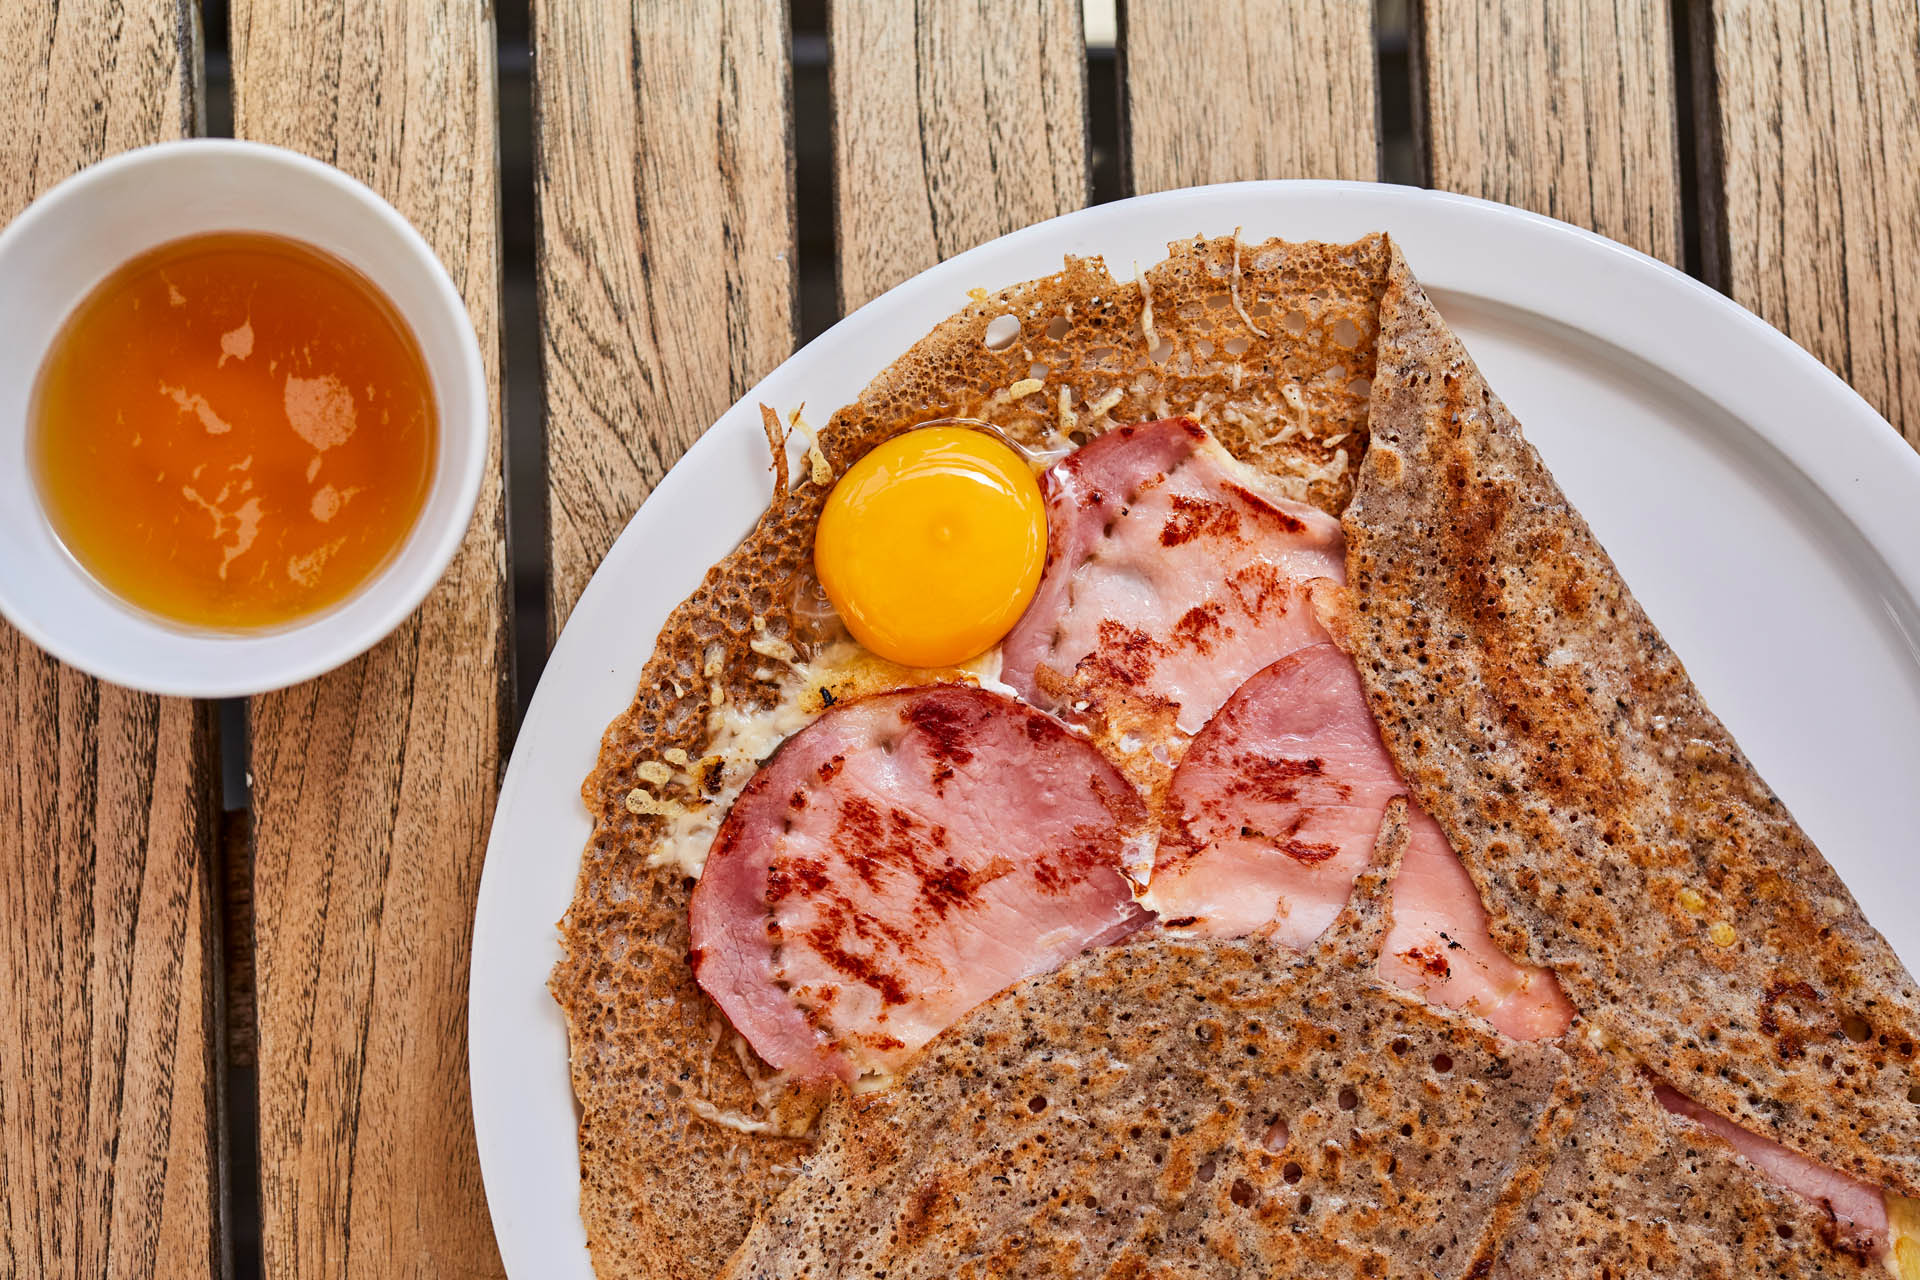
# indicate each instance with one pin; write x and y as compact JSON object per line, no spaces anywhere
{"x":954,"y":121}
{"x":108,"y":1099}
{"x":667,"y":282}
{"x":374,"y":785}
{"x":1244,"y":89}
{"x":1818,"y":110}
{"x":1566,"y":109}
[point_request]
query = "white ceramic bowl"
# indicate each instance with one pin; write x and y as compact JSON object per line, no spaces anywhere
{"x":71,"y":238}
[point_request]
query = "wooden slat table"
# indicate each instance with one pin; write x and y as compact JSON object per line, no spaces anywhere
{"x":1777,"y":136}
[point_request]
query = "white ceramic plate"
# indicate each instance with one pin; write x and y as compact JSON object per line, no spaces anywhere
{"x":1764,"y":514}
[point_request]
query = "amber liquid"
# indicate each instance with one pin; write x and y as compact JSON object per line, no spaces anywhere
{"x":233,"y":431}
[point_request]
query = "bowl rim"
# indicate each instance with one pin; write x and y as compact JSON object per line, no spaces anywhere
{"x":398,"y":590}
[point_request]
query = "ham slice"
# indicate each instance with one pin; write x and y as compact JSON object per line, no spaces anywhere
{"x":901,"y":859}
{"x":1274,"y":811}
{"x":1172,"y":575}
{"x":1858,"y":1210}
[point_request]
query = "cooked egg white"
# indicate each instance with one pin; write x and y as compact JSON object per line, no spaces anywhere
{"x":1903,"y":1237}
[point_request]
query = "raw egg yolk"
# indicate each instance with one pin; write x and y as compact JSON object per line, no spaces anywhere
{"x":932,"y":544}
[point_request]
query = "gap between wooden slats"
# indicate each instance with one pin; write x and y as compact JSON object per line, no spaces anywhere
{"x":667,"y":273}
{"x":374,"y":785}
{"x":109,"y":1105}
{"x":1245,"y":89}
{"x":1564,"y":109}
{"x":1813,"y":179}
{"x":954,"y":123}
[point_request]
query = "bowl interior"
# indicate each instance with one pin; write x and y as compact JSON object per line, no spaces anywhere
{"x":70,"y":240}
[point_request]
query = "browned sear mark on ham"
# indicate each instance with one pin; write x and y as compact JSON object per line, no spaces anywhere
{"x":874,"y":844}
{"x":947,"y":734}
{"x":949,"y":886}
{"x":858,"y":838}
{"x":1198,"y":517}
{"x":795,"y":875}
{"x":1124,"y":656}
{"x":1200,"y":626}
{"x":843,"y":925}
{"x":1281,"y":520}
{"x":830,"y":767}
{"x":1308,"y":851}
{"x":1260,"y":587}
{"x":1093,"y":849}
{"x":1428,"y":961}
{"x":1276,"y":779}
{"x":825,"y":938}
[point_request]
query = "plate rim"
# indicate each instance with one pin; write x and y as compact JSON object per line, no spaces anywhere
{"x":1857,"y":461}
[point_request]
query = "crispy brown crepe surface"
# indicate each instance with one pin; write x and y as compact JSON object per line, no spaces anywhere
{"x":1614,"y":828}
{"x":666,"y":1193}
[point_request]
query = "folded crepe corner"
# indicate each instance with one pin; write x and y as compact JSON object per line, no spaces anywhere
{"x":1614,"y":829}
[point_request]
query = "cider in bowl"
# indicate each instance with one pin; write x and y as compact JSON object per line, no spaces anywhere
{"x":233,"y":430}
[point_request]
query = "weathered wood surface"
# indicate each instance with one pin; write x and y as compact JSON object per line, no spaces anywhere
{"x":1564,"y":109}
{"x":1244,"y":89}
{"x":667,"y":271}
{"x":374,"y":785}
{"x":954,"y":121}
{"x":1818,"y":119}
{"x":108,"y":1022}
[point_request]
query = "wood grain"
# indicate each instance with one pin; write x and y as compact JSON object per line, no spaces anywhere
{"x":108,"y":1025}
{"x":1244,"y":89}
{"x":1567,"y":109}
{"x":1818,"y":114}
{"x":374,"y":785}
{"x":667,"y":273}
{"x":954,"y":121}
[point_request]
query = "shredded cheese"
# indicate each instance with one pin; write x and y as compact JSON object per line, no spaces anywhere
{"x":1025,"y":387}
{"x":640,"y":800}
{"x":1068,"y":420}
{"x":1296,"y":402}
{"x":817,"y":469}
{"x":774,"y":647}
{"x":733,"y":1120}
{"x":1332,"y":471}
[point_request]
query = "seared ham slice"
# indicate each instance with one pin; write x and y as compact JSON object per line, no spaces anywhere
{"x":1274,"y":811}
{"x":901,"y":859}
{"x":1172,"y":575}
